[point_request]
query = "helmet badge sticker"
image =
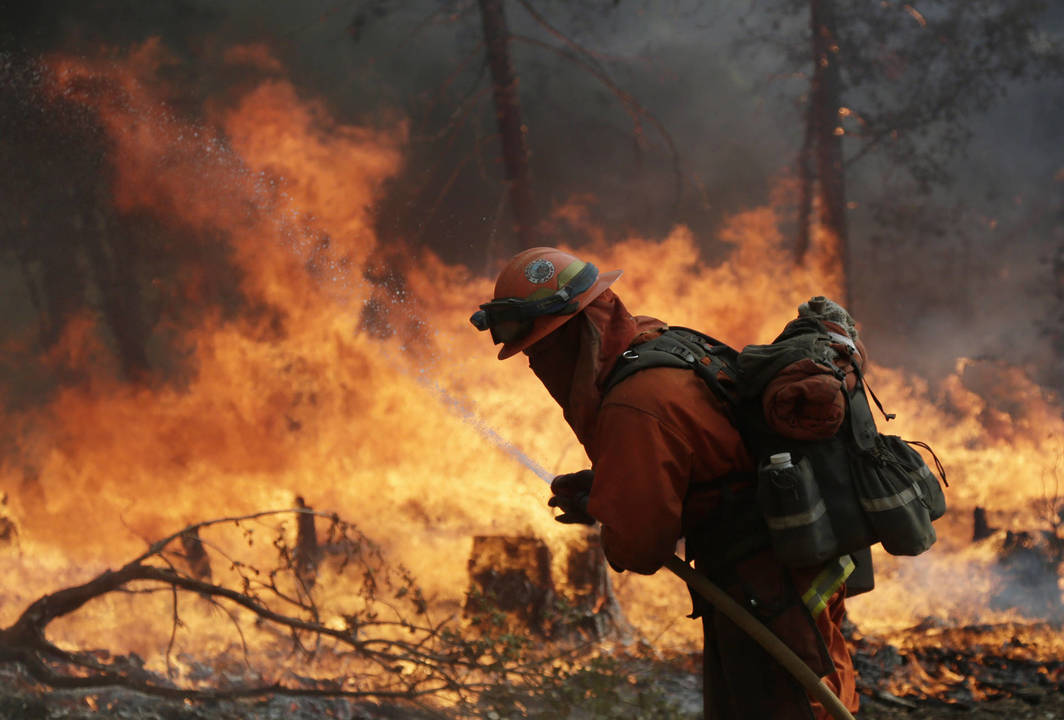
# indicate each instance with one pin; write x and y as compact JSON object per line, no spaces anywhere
{"x":539,"y":271}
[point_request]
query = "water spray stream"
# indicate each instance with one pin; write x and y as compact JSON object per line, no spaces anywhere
{"x":489,"y":433}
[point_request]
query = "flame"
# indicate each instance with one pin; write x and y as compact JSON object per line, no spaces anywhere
{"x":405,"y":433}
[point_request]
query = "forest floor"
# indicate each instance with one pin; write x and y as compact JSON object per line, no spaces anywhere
{"x":675,"y":685}
{"x":1049,"y":707}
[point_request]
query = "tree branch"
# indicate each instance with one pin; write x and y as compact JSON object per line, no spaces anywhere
{"x":403,"y":659}
{"x":633,"y":107}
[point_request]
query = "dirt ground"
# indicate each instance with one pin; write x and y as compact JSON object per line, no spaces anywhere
{"x":1050,"y":707}
{"x":22,"y":700}
{"x":1021,"y":690}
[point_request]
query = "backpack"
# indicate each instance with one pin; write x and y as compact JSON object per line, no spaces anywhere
{"x":819,"y":498}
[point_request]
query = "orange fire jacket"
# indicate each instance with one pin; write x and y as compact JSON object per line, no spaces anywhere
{"x":652,"y":439}
{"x":660,"y":433}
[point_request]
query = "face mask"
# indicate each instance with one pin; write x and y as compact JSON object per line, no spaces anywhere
{"x":553,"y":359}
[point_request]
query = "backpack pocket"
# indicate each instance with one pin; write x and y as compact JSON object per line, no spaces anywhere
{"x":900,"y":496}
{"x":934,"y":497}
{"x":796,"y":514}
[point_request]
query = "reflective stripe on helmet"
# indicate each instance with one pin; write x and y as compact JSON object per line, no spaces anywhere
{"x":565,"y":277}
{"x":516,"y":312}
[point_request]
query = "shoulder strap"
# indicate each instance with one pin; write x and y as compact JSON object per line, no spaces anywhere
{"x":680,"y":348}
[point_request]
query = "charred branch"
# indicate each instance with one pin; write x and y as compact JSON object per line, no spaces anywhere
{"x":403,"y":653}
{"x":577,"y":54}
{"x":636,"y":111}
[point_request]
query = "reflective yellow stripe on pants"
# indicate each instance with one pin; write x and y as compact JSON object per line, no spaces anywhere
{"x":826,"y":583}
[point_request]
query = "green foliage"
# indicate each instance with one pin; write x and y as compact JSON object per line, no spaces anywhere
{"x":915,"y":74}
{"x":603,"y":687}
{"x":916,"y":77}
{"x":526,"y":676}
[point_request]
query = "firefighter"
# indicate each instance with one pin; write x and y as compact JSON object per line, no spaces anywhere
{"x":667,"y":464}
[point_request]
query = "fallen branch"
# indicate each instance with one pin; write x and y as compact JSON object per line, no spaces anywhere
{"x":399,"y":652}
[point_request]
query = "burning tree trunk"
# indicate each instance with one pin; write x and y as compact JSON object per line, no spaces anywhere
{"x":823,"y":116}
{"x":199,"y":565}
{"x":307,"y":553}
{"x":112,"y":262}
{"x":508,"y":116}
{"x":56,"y":292}
{"x":806,"y":181}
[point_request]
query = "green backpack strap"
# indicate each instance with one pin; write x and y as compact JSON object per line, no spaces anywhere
{"x":681,"y":347}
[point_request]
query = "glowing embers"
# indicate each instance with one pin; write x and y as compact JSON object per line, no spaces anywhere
{"x":963,"y":664}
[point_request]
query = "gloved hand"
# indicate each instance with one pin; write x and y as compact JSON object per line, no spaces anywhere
{"x":570,"y":493}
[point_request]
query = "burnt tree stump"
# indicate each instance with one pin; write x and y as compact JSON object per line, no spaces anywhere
{"x":980,"y":525}
{"x":590,"y":591}
{"x":513,"y":575}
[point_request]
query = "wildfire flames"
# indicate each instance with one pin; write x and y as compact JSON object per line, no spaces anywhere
{"x":401,"y":424}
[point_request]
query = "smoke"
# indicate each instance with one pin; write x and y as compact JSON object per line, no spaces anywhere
{"x":1005,"y":577}
{"x":966,"y":272}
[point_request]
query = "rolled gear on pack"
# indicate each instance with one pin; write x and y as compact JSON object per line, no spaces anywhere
{"x":844,"y":486}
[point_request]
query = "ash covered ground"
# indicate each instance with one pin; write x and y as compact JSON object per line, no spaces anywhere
{"x":979,"y":684}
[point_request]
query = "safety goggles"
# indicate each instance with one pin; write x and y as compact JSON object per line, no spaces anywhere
{"x":511,"y":319}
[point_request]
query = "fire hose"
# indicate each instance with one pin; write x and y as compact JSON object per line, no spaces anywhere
{"x":810,"y":682}
{"x":813,"y":685}
{"x":720,"y":600}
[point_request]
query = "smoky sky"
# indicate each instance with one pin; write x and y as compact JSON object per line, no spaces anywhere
{"x":968,"y":270}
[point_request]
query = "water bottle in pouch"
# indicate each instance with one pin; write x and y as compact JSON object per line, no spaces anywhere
{"x":794,"y":511}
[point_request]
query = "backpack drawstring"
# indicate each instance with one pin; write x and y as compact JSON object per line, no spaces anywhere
{"x":851,"y":350}
{"x":938,"y":463}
